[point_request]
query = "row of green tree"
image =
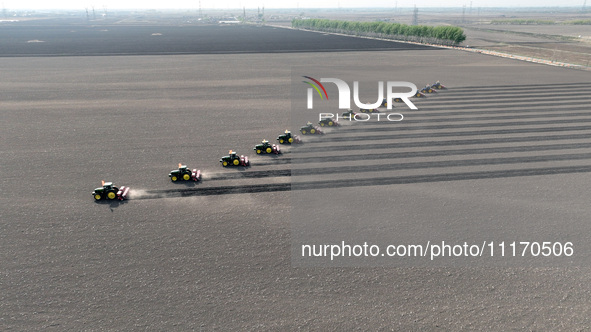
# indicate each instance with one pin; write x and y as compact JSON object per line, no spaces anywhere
{"x":520,"y":21}
{"x":448,"y":35}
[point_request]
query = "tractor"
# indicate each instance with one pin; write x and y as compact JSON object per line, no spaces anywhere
{"x":110,"y":192}
{"x":232,"y":159}
{"x":266,"y":147}
{"x":309,"y":128}
{"x":288,"y":138}
{"x":328,"y":122}
{"x":184,"y":173}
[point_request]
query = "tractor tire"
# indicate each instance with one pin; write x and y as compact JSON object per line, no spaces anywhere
{"x":98,"y":197}
{"x":186,"y":176}
{"x":225,"y":163}
{"x":259,"y":151}
{"x":322,"y":124}
{"x":236,"y":162}
{"x":269,"y":150}
{"x":330,"y":123}
{"x":303,"y":131}
{"x":281,"y":141}
{"x":312,"y":131}
{"x":111,"y":195}
{"x":173,"y":178}
{"x":290,"y":140}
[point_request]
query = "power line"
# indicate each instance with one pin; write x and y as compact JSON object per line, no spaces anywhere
{"x":464,"y":14}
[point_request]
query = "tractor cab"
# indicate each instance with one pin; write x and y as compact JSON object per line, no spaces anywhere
{"x":108,"y":186}
{"x":287,"y":134}
{"x":182,"y":168}
{"x":264,"y":144}
{"x":308,"y":126}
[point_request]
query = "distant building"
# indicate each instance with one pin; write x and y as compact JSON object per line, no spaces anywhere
{"x":231,"y":20}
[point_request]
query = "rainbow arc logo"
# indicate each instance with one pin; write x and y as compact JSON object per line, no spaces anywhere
{"x":310,"y":92}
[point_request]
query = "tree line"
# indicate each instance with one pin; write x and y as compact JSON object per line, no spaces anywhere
{"x":523,"y":22}
{"x":448,"y":35}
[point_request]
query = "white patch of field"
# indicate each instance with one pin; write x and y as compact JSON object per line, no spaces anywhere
{"x":139,"y":194}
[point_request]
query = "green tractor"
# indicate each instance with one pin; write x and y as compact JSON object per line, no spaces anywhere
{"x":266,"y":147}
{"x":309,"y":128}
{"x":328,"y":122}
{"x":419,"y":94}
{"x":439,"y":86}
{"x":288,"y":138}
{"x":110,"y":192}
{"x":184,"y":173}
{"x":232,"y":159}
{"x":428,"y":89}
{"x":350,"y":115}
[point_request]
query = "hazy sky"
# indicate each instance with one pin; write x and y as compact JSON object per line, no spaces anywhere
{"x":192,"y":4}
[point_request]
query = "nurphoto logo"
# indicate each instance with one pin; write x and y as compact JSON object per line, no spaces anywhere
{"x":345,"y":93}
